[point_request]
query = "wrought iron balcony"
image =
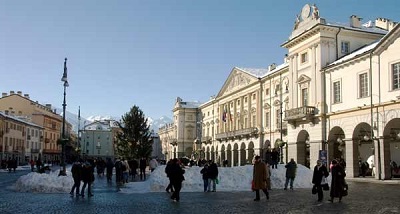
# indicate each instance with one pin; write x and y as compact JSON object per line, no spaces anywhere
{"x":237,"y":134}
{"x":35,"y":150}
{"x":173,"y":141}
{"x":301,"y":113}
{"x":206,"y":139}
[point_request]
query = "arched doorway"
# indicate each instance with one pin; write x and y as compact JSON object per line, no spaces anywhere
{"x":303,"y":148}
{"x":229,"y":154}
{"x":336,"y":145}
{"x":212,"y":154}
{"x":235,"y":154}
{"x":363,"y":149}
{"x":391,"y":149}
{"x":250,"y":152}
{"x":223,"y":156}
{"x":243,"y":154}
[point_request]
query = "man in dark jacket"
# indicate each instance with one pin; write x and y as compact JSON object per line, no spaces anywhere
{"x":291,"y":168}
{"x":76,"y":171}
{"x":142,"y":165}
{"x":109,"y":166}
{"x":212,"y":176}
{"x":87,"y":178}
{"x":176,"y":176}
{"x":168,"y":172}
{"x":320,"y":171}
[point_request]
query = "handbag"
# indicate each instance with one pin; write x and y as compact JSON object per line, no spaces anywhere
{"x":314,"y":190}
{"x":324,"y":184}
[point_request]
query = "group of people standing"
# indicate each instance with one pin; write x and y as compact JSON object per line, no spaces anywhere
{"x":82,"y":171}
{"x":338,"y":187}
{"x":210,"y":176}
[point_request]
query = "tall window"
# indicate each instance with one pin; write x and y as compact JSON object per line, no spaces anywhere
{"x":396,"y":76}
{"x":304,"y":57}
{"x":363,"y":81}
{"x":267,"y":91}
{"x":254,"y":121}
{"x":267,"y":119}
{"x":304,"y":96}
{"x":345,"y":47}
{"x":278,"y":118}
{"x":336,"y":92}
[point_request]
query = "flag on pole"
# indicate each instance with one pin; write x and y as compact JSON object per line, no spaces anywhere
{"x":79,"y":113}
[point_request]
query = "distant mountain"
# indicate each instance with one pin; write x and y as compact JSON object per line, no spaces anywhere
{"x":155,"y":124}
{"x":72,"y":118}
{"x":158,"y":123}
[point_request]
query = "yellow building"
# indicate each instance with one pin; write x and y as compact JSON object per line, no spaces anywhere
{"x":19,"y":104}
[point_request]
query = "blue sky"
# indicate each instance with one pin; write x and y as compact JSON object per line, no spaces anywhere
{"x":147,"y":53}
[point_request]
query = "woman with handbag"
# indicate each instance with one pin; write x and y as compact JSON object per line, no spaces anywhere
{"x":320,"y":173}
{"x":338,"y":182}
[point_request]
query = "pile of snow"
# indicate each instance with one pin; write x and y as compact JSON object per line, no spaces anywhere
{"x":47,"y":183}
{"x":230,"y":179}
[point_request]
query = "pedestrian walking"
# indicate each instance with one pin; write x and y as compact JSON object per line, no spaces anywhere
{"x":260,"y":176}
{"x":109,"y":172}
{"x":204,"y":173}
{"x":291,"y":169}
{"x":176,"y":175}
{"x":125,"y":171}
{"x":32,"y":163}
{"x":274,"y":158}
{"x":338,"y":182}
{"x":320,"y":172}
{"x":76,"y":171}
{"x":212,"y":176}
{"x":142,"y":166}
{"x":87,"y":178}
{"x":118,"y":171}
{"x":133,"y":165}
{"x":168,"y":172}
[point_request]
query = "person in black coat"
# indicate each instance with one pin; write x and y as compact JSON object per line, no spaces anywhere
{"x":142,"y":165}
{"x":176,"y":176}
{"x":204,"y":172}
{"x":87,"y":178}
{"x":338,"y":182}
{"x":76,"y":171}
{"x":168,"y":172}
{"x":109,"y":172}
{"x":320,"y":171}
{"x":212,"y":176}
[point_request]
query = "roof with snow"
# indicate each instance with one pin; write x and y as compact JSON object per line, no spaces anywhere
{"x":262,"y":72}
{"x":366,"y":27}
{"x":195,"y":104}
{"x":356,"y":53}
{"x":19,"y":119}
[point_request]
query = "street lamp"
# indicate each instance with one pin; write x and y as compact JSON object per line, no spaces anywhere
{"x":63,"y":140}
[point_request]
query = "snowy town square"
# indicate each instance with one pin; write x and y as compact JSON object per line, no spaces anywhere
{"x":30,"y":192}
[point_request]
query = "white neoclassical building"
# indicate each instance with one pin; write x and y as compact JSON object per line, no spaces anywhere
{"x":337,"y":95}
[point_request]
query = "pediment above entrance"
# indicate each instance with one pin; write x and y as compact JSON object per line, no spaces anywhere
{"x":303,"y":79}
{"x":237,"y":80}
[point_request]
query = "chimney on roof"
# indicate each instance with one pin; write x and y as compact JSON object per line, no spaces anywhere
{"x":271,"y":67}
{"x":4,"y":94}
{"x":12,"y":92}
{"x":48,"y":106}
{"x":355,"y":21}
{"x":19,"y":93}
{"x":6,"y":112}
{"x":26,"y":96}
{"x":385,"y":24}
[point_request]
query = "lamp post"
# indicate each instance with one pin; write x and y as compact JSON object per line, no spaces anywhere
{"x":281,"y":116}
{"x":63,"y":140}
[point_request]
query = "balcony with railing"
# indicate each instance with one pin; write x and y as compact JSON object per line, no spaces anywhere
{"x":237,"y":134}
{"x":284,"y":126}
{"x":206,"y":139}
{"x":35,"y":150}
{"x":300,"y":114}
{"x":173,"y":141}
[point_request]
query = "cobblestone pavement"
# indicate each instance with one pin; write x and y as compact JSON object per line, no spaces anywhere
{"x":363,"y":198}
